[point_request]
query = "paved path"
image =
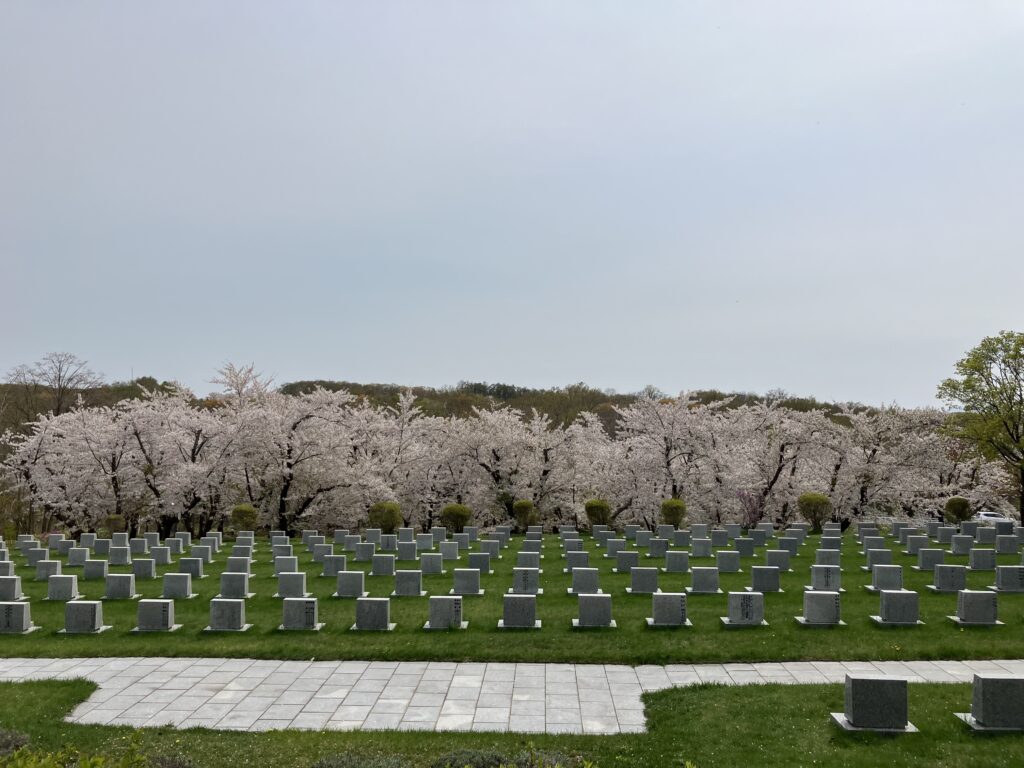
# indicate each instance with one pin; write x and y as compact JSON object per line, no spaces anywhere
{"x":245,"y":694}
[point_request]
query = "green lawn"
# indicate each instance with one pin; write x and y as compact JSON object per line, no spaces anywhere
{"x":706,"y":725}
{"x":631,"y":643}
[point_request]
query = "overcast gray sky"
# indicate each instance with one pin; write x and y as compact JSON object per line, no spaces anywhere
{"x":822,"y":197}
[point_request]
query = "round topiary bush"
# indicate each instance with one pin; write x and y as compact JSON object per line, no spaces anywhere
{"x":815,"y":508}
{"x":957,"y":509}
{"x":673,"y":512}
{"x":244,"y":517}
{"x":455,"y":517}
{"x":599,"y":512}
{"x":386,"y":515}
{"x":525,"y":513}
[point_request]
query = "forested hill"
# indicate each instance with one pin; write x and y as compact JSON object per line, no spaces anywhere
{"x":562,"y":404}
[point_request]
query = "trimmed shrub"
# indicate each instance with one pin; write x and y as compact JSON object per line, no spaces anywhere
{"x":599,"y":512}
{"x":11,"y":741}
{"x":673,"y":511}
{"x":386,"y":515}
{"x":455,"y":517}
{"x":244,"y":517}
{"x":525,"y":513}
{"x":957,"y":509}
{"x":114,"y":524}
{"x":815,"y":508}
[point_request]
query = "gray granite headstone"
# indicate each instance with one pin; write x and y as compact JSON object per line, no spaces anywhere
{"x":875,"y":703}
{"x":820,"y":609}
{"x":445,"y":612}
{"x":408,"y":584}
{"x":466,"y":582}
{"x":764,"y":578}
{"x":643,"y":581}
{"x":350,"y":584}
{"x":886,"y":577}
{"x":898,"y":607}
{"x":177,"y":586}
{"x":300,"y":614}
{"x":374,"y":614}
{"x":291,"y":585}
{"x":594,"y":611}
{"x":120,"y":586}
{"x":234,"y":586}
{"x":519,"y":611}
{"x":585,"y":581}
{"x":668,"y":609}
{"x":192,"y":566}
{"x":227,"y":616}
{"x":745,"y":609}
{"x":16,"y":618}
{"x":704,"y":581}
{"x":83,"y":617}
{"x":382,"y":565}
{"x":156,"y":616}
{"x":62,"y":588}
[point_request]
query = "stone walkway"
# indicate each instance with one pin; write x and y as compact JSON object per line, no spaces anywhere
{"x":253,"y":695}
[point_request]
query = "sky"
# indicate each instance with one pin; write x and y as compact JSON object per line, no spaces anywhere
{"x":824,"y":198}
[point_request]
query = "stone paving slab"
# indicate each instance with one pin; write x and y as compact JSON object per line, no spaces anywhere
{"x":260,"y":695}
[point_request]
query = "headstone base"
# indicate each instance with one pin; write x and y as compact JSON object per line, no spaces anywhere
{"x":349,"y":597}
{"x":501,"y":625}
{"x":247,"y":596}
{"x":690,"y":591}
{"x":611,"y":625}
{"x":316,"y":628}
{"x":571,"y":591}
{"x":805,"y":623}
{"x":463,"y":625}
{"x":878,"y":621}
{"x":630,"y":591}
{"x":736,"y":625}
{"x":778,"y":591}
{"x":245,"y":628}
{"x":355,"y":628}
{"x":466,"y":594}
{"x":961,"y":623}
{"x":968,"y":718}
{"x":421,"y":594}
{"x":173,"y":628}
{"x":104,"y":628}
{"x":839,"y":718}
{"x":651,"y":625}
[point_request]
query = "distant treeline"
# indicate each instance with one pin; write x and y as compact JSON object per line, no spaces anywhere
{"x":561,"y":404}
{"x":60,"y":381}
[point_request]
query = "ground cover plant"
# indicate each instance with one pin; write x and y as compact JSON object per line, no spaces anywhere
{"x":631,"y":643}
{"x":706,"y":726}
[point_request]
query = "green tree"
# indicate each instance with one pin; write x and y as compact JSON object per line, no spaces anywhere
{"x":386,"y":515}
{"x":598,"y":512}
{"x":815,"y":508}
{"x":989,"y":388}
{"x":957,"y":509}
{"x":673,"y":511}
{"x":455,"y":517}
{"x":525,"y":514}
{"x":244,"y":517}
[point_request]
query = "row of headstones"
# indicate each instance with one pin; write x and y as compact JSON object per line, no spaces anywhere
{"x":880,"y":704}
{"x":373,"y":614}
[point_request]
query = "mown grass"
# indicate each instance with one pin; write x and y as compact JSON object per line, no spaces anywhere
{"x":631,"y":643}
{"x":707,"y":726}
